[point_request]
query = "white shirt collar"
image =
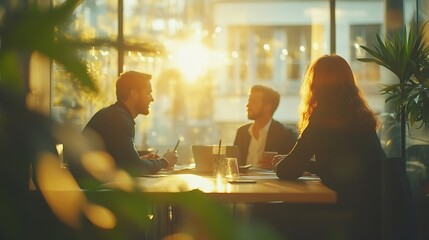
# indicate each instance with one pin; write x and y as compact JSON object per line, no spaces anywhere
{"x":257,"y":146}
{"x":264,"y":130}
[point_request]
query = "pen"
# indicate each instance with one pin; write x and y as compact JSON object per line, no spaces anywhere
{"x":177,"y":144}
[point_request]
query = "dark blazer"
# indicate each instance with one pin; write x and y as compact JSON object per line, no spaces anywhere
{"x":115,"y":126}
{"x":279,"y":139}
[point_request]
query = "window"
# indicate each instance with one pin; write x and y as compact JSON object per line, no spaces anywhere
{"x":363,"y":35}
{"x":210,"y":54}
{"x":297,"y":53}
{"x":269,"y":49}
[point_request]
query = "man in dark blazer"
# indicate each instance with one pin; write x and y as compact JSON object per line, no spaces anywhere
{"x":264,"y":134}
{"x":114,"y":126}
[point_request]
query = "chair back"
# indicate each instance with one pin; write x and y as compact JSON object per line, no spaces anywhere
{"x":398,"y":210}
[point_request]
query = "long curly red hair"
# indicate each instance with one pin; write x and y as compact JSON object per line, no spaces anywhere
{"x":331,"y":98}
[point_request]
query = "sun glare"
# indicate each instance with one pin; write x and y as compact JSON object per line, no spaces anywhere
{"x":192,"y":59}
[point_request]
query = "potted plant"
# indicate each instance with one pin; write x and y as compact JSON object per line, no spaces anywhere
{"x":406,"y":56}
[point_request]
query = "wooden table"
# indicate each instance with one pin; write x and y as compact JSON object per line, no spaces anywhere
{"x":174,"y":201}
{"x":240,"y":197}
{"x":268,"y":188}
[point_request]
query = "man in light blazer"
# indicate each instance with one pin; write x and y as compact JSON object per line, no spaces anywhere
{"x":264,"y":134}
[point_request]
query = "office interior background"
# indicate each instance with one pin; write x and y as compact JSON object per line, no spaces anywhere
{"x":206,"y":54}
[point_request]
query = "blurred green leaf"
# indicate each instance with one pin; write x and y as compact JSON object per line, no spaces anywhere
{"x":30,"y":29}
{"x":10,"y":71}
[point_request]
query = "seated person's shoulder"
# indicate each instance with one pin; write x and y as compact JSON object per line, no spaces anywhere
{"x":286,"y":128}
{"x":292,"y":130}
{"x":114,"y":112}
{"x":109,"y":118}
{"x":244,"y":127}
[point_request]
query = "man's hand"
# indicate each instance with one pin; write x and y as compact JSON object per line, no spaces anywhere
{"x":266,"y":161}
{"x":171,"y":157}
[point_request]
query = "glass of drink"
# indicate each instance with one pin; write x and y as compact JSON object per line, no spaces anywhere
{"x":219,"y":155}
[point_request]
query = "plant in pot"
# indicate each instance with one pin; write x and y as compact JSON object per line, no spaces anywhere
{"x":406,"y":56}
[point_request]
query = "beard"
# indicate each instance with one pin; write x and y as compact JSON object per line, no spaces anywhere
{"x":253,"y":115}
{"x":143,"y":108}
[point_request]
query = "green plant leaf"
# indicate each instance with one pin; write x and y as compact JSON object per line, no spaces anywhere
{"x":406,"y":56}
{"x":35,"y":29}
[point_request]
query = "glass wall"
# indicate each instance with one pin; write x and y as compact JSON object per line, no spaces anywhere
{"x":205,"y":55}
{"x":69,"y":105}
{"x":93,"y":20}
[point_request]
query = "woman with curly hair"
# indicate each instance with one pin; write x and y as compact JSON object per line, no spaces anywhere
{"x":338,"y":135}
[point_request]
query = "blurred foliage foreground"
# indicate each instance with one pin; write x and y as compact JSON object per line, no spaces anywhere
{"x":58,"y":208}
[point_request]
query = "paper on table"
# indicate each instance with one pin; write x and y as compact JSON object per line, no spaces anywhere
{"x":312,"y":177}
{"x":259,"y":177}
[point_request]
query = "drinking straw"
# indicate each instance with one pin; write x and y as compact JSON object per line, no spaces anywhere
{"x":218,"y":150}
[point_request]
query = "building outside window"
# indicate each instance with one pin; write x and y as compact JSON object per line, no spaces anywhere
{"x":268,"y":55}
{"x":363,"y":35}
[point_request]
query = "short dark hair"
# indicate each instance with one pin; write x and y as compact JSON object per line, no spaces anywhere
{"x":269,"y":95}
{"x":130,"y":80}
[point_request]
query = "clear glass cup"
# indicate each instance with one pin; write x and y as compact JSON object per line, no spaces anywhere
{"x":230,"y":169}
{"x":219,"y":156}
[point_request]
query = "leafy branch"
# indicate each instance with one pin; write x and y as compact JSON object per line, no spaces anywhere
{"x":406,"y":56}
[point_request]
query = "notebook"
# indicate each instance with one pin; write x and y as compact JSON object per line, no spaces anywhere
{"x":204,"y":159}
